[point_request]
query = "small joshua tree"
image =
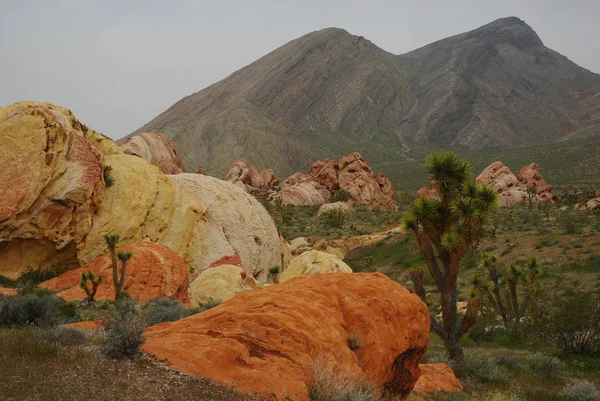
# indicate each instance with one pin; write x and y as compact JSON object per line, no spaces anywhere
{"x":95,"y":283}
{"x":274,"y":274}
{"x":112,"y":241}
{"x":369,"y":261}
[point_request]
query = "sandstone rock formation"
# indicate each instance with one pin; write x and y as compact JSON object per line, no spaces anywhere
{"x":154,"y":271}
{"x":530,"y":177}
{"x":156,"y":149}
{"x":221,"y":283}
{"x":326,"y":173}
{"x":302,"y":190}
{"x":64,"y":186}
{"x":300,"y":245}
{"x":314,"y":262}
{"x":513,"y":189}
{"x":437,"y":377}
{"x":593,"y":204}
{"x":267,"y":341}
{"x":344,"y":207}
{"x":247,"y":175}
{"x":235,"y":224}
{"x":504,"y":182}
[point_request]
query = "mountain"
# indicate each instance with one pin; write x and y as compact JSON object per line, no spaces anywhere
{"x":329,"y":93}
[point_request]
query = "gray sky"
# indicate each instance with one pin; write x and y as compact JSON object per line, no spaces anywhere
{"x":118,"y":64}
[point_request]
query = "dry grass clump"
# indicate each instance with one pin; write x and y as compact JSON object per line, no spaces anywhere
{"x":329,"y":384}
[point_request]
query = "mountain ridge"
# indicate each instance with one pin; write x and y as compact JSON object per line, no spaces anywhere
{"x":330,"y":93}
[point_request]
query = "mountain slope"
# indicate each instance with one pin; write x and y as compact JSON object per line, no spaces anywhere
{"x":330,"y":93}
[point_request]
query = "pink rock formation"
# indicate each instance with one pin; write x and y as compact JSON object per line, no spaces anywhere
{"x":155,"y":148}
{"x":530,"y":177}
{"x":302,"y":189}
{"x":326,"y":173}
{"x":244,"y":174}
{"x":504,"y":182}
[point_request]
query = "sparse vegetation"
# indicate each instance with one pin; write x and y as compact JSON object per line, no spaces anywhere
{"x":333,"y":218}
{"x":330,"y":383}
{"x":125,"y":332}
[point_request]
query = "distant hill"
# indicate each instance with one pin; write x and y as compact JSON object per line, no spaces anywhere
{"x":330,"y":93}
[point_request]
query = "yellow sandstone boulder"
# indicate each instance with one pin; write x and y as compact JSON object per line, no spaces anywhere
{"x":221,"y":283}
{"x":314,"y":262}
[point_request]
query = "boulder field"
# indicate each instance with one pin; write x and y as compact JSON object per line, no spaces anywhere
{"x":268,"y":340}
{"x":156,"y":149}
{"x":64,"y":186}
{"x":155,"y":271}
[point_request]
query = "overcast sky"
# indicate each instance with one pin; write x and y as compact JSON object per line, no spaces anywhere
{"x":118,"y":64}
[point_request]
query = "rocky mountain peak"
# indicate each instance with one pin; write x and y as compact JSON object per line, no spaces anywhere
{"x":510,"y":30}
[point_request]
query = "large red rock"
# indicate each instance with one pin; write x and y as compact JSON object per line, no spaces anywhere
{"x":154,"y":270}
{"x":437,"y":377}
{"x":155,"y":148}
{"x":267,"y":341}
{"x":7,"y":292}
{"x":245,"y":174}
{"x":530,"y":177}
{"x":326,"y":173}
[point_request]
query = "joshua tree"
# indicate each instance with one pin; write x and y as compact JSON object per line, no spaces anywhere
{"x":95,"y":283}
{"x":274,"y":274}
{"x":369,"y":261}
{"x":445,"y":227}
{"x":118,"y":279}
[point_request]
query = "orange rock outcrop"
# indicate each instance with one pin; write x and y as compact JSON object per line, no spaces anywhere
{"x":267,"y":341}
{"x":154,"y":270}
{"x":437,"y":377}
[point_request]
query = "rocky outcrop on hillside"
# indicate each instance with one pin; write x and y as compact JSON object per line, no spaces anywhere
{"x":512,"y":189}
{"x":255,"y":344}
{"x":64,"y":186}
{"x":530,"y":177}
{"x":156,"y":149}
{"x":437,"y":377}
{"x":351,"y":174}
{"x":244,"y":174}
{"x":154,"y":271}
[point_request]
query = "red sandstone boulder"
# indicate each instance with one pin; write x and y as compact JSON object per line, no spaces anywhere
{"x":154,"y":270}
{"x":325,"y":172}
{"x":245,"y":175}
{"x":437,"y":377}
{"x":7,"y":292}
{"x":268,"y":340}
{"x":530,"y":177}
{"x":156,"y":149}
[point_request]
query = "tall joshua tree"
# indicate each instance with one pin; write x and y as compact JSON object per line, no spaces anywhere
{"x":112,"y":242}
{"x":445,"y":226}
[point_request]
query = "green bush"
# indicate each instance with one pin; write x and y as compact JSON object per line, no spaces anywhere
{"x":341,"y":195}
{"x":333,"y":218}
{"x":160,"y":310}
{"x":581,"y":390}
{"x":35,"y":307}
{"x":125,"y":333}
{"x":480,"y":367}
{"x":545,"y":365}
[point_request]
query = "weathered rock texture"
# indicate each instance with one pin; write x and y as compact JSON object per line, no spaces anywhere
{"x":513,"y":189}
{"x":221,"y":283}
{"x":314,"y":262}
{"x":235,"y":224}
{"x":246,"y":174}
{"x":343,"y":207}
{"x":154,"y":271}
{"x":302,"y":190}
{"x":266,"y":341}
{"x":155,"y":148}
{"x":437,"y":377}
{"x":593,"y":204}
{"x":530,"y":177}
{"x":55,"y":205}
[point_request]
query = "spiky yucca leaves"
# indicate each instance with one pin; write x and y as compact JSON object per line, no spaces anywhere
{"x":445,"y":227}
{"x":112,"y":242}
{"x":95,"y":283}
{"x":274,"y":274}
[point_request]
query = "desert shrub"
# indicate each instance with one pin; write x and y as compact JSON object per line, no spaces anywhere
{"x":580,"y":390}
{"x":333,"y":218}
{"x":506,"y":361}
{"x":36,"y":307}
{"x":480,"y":367}
{"x":594,"y":262}
{"x":545,"y":365}
{"x":64,"y":336}
{"x":33,"y":277}
{"x":329,"y":384}
{"x":572,"y":223}
{"x":160,"y":310}
{"x":353,"y":341}
{"x":573,"y":321}
{"x":125,"y":332}
{"x":340,"y":195}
